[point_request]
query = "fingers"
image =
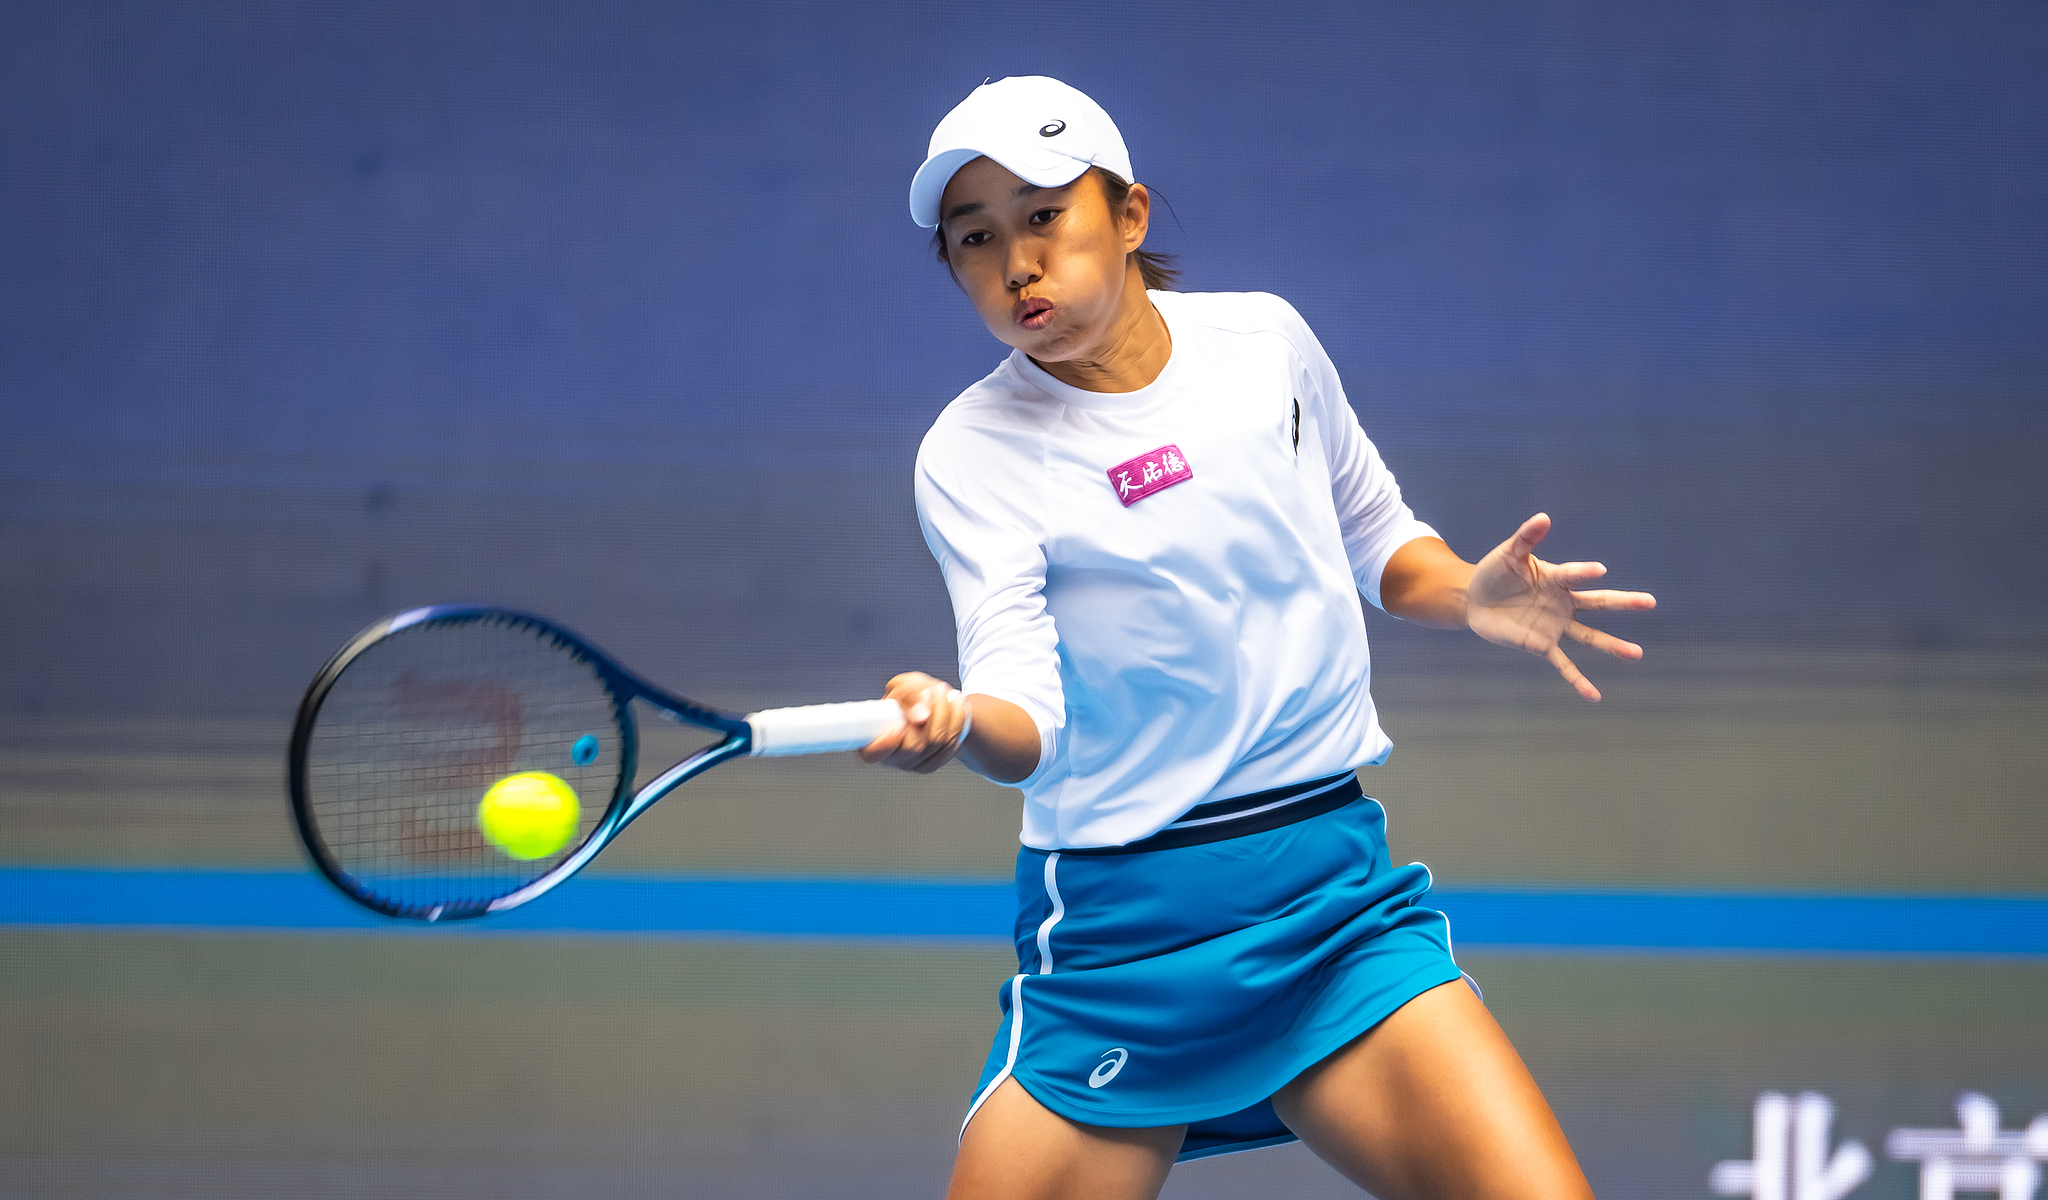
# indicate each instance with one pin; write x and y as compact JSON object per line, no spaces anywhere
{"x":925,"y":728}
{"x":883,"y":746}
{"x":908,"y":687}
{"x":1528,"y":537}
{"x":1572,"y":675}
{"x":934,"y":718}
{"x":1573,"y":573}
{"x":1613,"y":601}
{"x":941,"y":731}
{"x":1518,"y":549}
{"x":1606,"y":643}
{"x":1539,"y":605}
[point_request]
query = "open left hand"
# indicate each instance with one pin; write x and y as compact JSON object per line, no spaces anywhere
{"x":1516,"y":599}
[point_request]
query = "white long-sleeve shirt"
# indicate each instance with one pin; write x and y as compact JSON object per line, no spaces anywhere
{"x":1167,"y":580}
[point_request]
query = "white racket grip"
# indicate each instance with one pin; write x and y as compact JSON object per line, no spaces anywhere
{"x":821,"y":728}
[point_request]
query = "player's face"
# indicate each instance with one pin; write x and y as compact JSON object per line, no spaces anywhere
{"x":1046,"y":267}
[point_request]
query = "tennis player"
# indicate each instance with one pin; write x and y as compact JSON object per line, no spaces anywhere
{"x":1155,"y":519}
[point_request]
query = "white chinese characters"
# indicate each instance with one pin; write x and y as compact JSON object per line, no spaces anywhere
{"x":1791,"y":1159}
{"x":1791,"y":1154}
{"x":1975,"y":1157}
{"x":1148,"y":473}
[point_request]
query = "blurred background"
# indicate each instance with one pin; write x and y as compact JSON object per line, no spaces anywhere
{"x":311,"y":312}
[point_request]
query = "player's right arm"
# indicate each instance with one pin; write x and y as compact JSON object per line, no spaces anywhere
{"x":975,"y":485}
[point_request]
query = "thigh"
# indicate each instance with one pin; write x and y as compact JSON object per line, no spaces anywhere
{"x":1434,"y":1102}
{"x":1017,"y":1149}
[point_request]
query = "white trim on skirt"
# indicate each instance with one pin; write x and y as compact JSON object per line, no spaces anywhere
{"x":1016,"y":1036}
{"x":1059,"y":909}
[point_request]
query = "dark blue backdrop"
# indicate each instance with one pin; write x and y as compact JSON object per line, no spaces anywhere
{"x":275,"y":225}
{"x":1750,"y":295}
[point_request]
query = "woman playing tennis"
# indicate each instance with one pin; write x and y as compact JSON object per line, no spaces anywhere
{"x":1155,"y":519}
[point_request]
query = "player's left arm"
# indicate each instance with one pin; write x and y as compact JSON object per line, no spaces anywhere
{"x":1510,"y":598}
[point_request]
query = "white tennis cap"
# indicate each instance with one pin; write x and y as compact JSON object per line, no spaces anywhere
{"x":1042,"y":130}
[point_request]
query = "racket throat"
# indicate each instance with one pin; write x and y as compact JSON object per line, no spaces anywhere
{"x":684,"y":771}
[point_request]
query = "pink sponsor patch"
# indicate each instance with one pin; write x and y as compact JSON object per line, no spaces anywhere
{"x":1150,"y":472}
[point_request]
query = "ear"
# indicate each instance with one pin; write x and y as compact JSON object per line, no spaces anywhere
{"x":1137,"y":217}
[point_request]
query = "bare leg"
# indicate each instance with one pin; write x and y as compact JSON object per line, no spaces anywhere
{"x":1434,"y":1102}
{"x":1018,"y":1149}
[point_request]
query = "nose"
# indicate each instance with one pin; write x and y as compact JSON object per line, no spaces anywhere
{"x":1023,"y":268}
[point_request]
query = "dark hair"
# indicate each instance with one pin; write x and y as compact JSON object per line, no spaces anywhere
{"x":1156,"y":269}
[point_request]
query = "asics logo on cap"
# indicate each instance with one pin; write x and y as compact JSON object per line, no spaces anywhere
{"x":996,"y":122}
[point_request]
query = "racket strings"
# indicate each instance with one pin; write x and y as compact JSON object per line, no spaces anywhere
{"x":422,"y":724}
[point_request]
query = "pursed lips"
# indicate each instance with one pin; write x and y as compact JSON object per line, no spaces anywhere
{"x":1034,"y":313}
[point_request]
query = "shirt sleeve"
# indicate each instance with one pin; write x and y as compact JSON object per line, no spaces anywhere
{"x":992,"y":555}
{"x":1375,"y":520}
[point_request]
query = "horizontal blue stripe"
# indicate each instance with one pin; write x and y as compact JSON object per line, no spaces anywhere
{"x":836,"y":908}
{"x":1747,"y":921}
{"x":590,"y":904}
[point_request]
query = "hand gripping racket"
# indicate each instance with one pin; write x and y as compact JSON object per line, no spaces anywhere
{"x":405,"y":730}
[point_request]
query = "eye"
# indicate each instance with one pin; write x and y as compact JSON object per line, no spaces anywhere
{"x":975,"y":239}
{"x":1044,"y":215}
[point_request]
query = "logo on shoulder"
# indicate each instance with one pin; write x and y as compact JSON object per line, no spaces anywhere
{"x":1113,"y":1060}
{"x":1153,"y":471}
{"x":1053,"y":130}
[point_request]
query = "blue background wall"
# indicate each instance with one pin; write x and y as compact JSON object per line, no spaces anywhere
{"x":1751,"y":296}
{"x":279,"y":227}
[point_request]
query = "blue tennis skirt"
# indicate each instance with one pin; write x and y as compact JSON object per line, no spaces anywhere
{"x":1189,"y":976}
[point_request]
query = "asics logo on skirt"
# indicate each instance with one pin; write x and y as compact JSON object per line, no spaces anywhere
{"x":1112,"y":1062}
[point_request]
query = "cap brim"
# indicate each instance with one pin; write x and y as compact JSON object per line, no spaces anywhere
{"x":1044,"y":169}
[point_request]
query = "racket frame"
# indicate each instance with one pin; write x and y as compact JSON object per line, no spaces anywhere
{"x":625,"y":804}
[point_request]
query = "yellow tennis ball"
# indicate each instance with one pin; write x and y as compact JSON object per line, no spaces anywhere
{"x":529,"y":815}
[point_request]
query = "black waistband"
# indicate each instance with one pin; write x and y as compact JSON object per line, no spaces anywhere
{"x":1221,"y":820}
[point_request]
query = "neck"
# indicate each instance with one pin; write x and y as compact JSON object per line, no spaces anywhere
{"x":1130,"y":356}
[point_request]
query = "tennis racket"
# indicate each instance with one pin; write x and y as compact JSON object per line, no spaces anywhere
{"x":405,"y":730}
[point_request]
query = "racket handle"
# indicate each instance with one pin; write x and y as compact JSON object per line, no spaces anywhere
{"x":819,"y":728}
